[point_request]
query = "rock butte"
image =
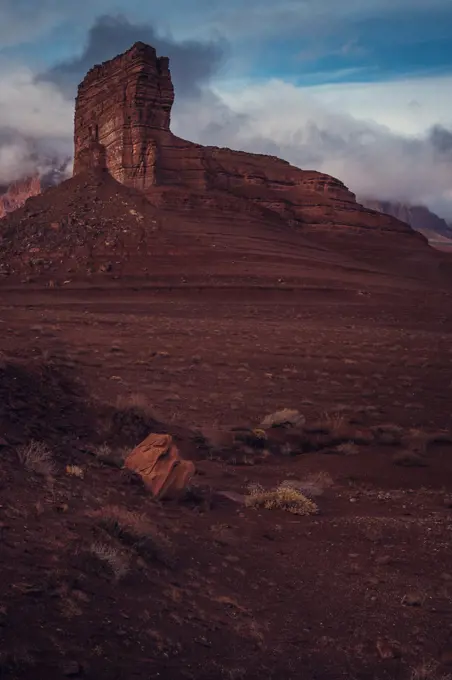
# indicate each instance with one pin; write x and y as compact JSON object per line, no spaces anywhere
{"x":143,"y":202}
{"x":122,"y":124}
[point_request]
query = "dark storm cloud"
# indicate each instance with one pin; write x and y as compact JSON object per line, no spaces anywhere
{"x":441,"y":139}
{"x":192,"y":63}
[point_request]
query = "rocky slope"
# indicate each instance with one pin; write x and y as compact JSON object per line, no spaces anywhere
{"x":144,"y":202}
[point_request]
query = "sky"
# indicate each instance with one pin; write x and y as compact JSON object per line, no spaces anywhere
{"x":360,"y":89}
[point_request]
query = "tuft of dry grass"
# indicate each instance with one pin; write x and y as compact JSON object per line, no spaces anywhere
{"x":118,"y":564}
{"x":348,"y":449}
{"x":416,"y":440}
{"x":388,"y":434}
{"x":313,"y":485}
{"x":75,"y":471}
{"x":409,"y":459}
{"x":114,"y":457}
{"x":283,"y":497}
{"x":429,"y":670}
{"x":135,"y":400}
{"x":134,"y":530}
{"x":37,"y":457}
{"x":132,"y":418}
{"x":285,"y":418}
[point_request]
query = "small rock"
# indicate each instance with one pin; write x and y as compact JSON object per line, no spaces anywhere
{"x":446,"y":657}
{"x":383,"y":560}
{"x":413,"y":599}
{"x":446,"y":577}
{"x":72,"y":669}
{"x":388,"y":650}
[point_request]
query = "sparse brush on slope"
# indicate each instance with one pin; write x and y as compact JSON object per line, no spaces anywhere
{"x":283,"y":497}
{"x":36,"y":457}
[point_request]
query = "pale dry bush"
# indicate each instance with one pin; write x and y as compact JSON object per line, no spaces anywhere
{"x":429,"y":670}
{"x":135,"y":400}
{"x":388,"y":434}
{"x":348,"y":449}
{"x":416,"y":440}
{"x":134,"y":529}
{"x":118,"y":564}
{"x":313,"y":485}
{"x":283,"y":497}
{"x":109,"y":456}
{"x":334,"y":423}
{"x":75,"y":471}
{"x":285,"y":417}
{"x":407,"y":458}
{"x":37,"y":457}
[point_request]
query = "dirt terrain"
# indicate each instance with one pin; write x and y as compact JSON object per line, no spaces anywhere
{"x":100,"y":581}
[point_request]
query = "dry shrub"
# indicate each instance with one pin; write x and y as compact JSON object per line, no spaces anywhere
{"x":429,"y":670}
{"x":283,"y":497}
{"x":37,"y":457}
{"x":313,"y":485}
{"x":285,"y":418}
{"x":132,"y":418}
{"x":416,"y":440}
{"x":409,"y":459}
{"x":334,"y":422}
{"x":388,"y":435}
{"x":443,"y":437}
{"x":75,"y":471}
{"x":348,"y":449}
{"x":118,"y":564}
{"x":134,"y":530}
{"x":109,"y":456}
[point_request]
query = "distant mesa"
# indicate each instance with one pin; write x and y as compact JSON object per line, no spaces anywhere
{"x":434,"y":228}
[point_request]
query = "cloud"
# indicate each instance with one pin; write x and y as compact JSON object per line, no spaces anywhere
{"x":390,"y":140}
{"x":35,"y":124}
{"x":302,"y":126}
{"x":193,"y":63}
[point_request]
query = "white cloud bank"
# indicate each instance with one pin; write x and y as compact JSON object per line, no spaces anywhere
{"x":378,"y":138}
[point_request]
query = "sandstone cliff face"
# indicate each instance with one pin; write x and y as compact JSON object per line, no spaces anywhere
{"x":120,"y":107}
{"x":122,"y":124}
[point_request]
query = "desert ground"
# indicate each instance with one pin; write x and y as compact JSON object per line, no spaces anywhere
{"x":101,"y":581}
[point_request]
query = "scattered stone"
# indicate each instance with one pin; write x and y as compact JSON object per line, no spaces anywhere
{"x":446,"y":657}
{"x":388,"y":650}
{"x":72,"y":669}
{"x":413,"y":599}
{"x":157,"y":460}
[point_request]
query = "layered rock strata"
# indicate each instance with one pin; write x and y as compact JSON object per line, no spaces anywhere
{"x":122,"y":124}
